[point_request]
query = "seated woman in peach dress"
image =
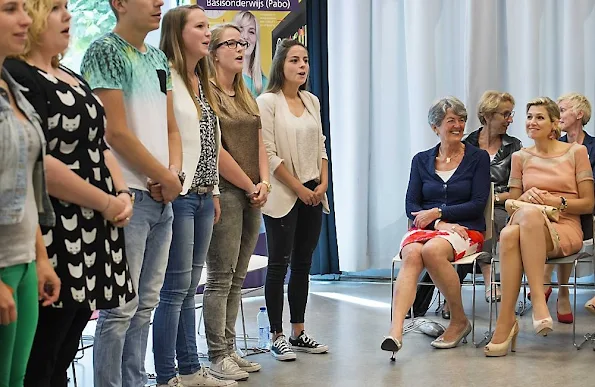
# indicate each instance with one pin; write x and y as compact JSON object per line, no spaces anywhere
{"x":549,"y":173}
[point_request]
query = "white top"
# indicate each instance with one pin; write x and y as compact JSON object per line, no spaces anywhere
{"x":446,"y":175}
{"x":189,"y":127}
{"x":492,"y":157}
{"x":281,"y":141}
{"x":306,"y":133}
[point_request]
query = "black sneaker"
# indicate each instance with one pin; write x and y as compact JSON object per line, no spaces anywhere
{"x":281,"y":349}
{"x":305,"y":343}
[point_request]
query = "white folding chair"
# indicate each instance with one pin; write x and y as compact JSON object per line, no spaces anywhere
{"x":468,"y":260}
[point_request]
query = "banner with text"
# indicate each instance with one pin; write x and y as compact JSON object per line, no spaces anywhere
{"x":262,"y":23}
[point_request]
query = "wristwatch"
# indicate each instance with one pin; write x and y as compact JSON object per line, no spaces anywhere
{"x":564,"y":204}
{"x":269,"y":185}
{"x":128,"y":192}
{"x":181,"y":174}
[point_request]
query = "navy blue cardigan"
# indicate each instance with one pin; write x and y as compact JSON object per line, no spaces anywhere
{"x":462,"y":198}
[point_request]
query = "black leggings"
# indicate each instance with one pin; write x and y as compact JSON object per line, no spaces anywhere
{"x":291,"y":240}
{"x":54,"y":348}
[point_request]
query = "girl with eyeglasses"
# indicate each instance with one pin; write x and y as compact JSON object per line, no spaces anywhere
{"x":243,"y":165}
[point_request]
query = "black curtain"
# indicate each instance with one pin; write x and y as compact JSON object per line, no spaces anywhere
{"x":326,"y":256}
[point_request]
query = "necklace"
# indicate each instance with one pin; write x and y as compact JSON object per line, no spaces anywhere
{"x":448,"y":159}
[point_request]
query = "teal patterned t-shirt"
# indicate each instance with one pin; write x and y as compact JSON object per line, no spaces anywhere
{"x":144,"y":79}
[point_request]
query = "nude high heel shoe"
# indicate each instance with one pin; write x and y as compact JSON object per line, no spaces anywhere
{"x":590,"y":305}
{"x":544,"y":326}
{"x":501,"y":349}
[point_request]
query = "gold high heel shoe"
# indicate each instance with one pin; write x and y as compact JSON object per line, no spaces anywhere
{"x":501,"y":349}
{"x":544,"y":326}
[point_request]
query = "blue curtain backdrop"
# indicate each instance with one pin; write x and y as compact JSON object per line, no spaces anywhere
{"x":326,"y":256}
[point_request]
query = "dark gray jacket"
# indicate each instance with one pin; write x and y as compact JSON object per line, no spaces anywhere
{"x":500,"y":166}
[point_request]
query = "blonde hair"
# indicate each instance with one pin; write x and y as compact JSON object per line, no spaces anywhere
{"x":243,"y":96}
{"x":489,"y":102}
{"x":38,"y":10}
{"x":254,"y":61}
{"x":172,"y":44}
{"x":553,"y":112}
{"x":578,"y":103}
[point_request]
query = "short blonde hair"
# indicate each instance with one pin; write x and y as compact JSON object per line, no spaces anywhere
{"x":553,"y":112}
{"x":38,"y":10}
{"x":578,"y":103}
{"x":489,"y":102}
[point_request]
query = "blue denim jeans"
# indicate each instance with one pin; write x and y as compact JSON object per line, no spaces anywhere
{"x":122,"y":333}
{"x":174,"y":324}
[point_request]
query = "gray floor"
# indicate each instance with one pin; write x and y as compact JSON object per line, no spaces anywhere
{"x":352,"y":318}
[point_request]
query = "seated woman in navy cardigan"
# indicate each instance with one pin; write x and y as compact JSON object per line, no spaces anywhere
{"x":448,"y":190}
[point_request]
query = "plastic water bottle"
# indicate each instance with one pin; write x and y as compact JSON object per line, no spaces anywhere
{"x":264,"y":328}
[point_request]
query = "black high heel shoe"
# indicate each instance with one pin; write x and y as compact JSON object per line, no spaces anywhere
{"x":445,"y":314}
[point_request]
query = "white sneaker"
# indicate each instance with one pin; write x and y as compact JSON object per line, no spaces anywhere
{"x":244,"y":364}
{"x":227,"y":369}
{"x":173,"y":382}
{"x":202,"y":378}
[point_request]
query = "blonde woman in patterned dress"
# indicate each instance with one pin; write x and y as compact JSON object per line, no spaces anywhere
{"x":549,"y":173}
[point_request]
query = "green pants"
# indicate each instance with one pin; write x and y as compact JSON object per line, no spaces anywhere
{"x":16,"y":339}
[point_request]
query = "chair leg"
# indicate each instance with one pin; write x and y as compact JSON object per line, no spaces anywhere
{"x":392,"y":291}
{"x":74,"y":375}
{"x":243,"y":324}
{"x":473,"y":306}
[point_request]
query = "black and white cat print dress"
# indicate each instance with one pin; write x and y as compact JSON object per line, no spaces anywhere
{"x":86,"y":251}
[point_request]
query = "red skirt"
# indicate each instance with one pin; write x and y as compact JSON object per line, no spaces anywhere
{"x":462,"y":247}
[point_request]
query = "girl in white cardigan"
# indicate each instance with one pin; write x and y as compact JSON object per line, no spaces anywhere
{"x":292,"y":133}
{"x":185,"y":38}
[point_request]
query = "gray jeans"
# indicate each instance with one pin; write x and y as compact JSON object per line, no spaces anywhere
{"x":232,"y":244}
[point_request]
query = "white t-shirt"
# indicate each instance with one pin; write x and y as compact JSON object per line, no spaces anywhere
{"x":144,"y":78}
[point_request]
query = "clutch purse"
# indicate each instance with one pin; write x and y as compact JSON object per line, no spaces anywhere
{"x":551,"y":212}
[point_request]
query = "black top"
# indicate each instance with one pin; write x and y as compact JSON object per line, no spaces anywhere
{"x":87,"y":253}
{"x":500,"y":165}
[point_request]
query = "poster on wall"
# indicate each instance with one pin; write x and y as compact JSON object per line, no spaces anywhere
{"x":263,"y":23}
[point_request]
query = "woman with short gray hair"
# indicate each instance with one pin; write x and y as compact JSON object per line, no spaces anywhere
{"x":449,"y":186}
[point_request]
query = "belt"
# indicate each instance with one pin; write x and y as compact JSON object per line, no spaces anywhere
{"x":201,"y":190}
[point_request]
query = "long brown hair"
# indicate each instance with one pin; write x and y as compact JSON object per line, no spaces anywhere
{"x":172,"y":44}
{"x":243,"y":97}
{"x":277,"y":75}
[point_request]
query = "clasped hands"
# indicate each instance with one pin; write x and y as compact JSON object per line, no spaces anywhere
{"x":539,"y":196}
{"x":259,"y":195}
{"x":424,"y":217}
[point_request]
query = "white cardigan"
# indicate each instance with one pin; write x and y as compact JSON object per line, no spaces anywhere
{"x":189,"y":126}
{"x":281,"y":145}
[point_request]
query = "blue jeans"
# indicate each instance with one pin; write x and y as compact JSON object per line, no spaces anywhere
{"x":174,"y":325}
{"x":122,"y":333}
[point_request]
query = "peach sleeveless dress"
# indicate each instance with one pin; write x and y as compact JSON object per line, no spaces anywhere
{"x":560,"y":175}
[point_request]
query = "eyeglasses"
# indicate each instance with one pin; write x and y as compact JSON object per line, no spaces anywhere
{"x":507,"y":115}
{"x":233,"y":44}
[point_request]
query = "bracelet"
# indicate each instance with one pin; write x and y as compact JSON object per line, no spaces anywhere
{"x":269,"y":185}
{"x":564,"y":204}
